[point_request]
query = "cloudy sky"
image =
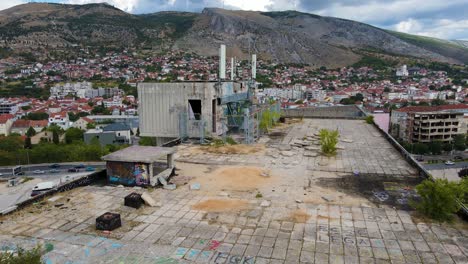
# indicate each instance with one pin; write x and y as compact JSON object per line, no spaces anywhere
{"x":435,"y":18}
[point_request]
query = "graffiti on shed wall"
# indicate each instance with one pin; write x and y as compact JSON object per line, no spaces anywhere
{"x":141,"y":174}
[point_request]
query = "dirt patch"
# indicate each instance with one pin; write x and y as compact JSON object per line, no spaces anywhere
{"x":218,"y":205}
{"x":236,"y":149}
{"x":236,"y":178}
{"x":299,"y":216}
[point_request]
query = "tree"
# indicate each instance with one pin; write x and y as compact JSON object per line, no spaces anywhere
{"x":447,"y":147}
{"x":329,"y":140}
{"x":36,"y":116}
{"x":370,"y":119}
{"x":147,"y":141}
{"x":459,"y":142}
{"x":435,"y":147}
{"x":90,"y":126}
{"x":73,"y":134}
{"x":31,"y":132}
{"x":438,"y":101}
{"x":420,"y":148}
{"x":438,"y":198}
{"x":10,"y":143}
{"x":55,"y":137}
{"x":27,"y":143}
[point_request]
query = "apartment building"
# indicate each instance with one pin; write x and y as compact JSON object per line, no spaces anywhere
{"x":426,"y":124}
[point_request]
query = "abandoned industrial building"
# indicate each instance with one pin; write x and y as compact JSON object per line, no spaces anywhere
{"x":201,"y":109}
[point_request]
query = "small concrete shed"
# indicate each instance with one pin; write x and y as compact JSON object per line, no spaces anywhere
{"x":139,"y":165}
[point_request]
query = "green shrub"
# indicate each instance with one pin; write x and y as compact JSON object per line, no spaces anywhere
{"x":328,"y":141}
{"x":370,"y":119}
{"x":217,"y":142}
{"x":22,"y":256}
{"x":438,"y":198}
{"x":230,"y":141}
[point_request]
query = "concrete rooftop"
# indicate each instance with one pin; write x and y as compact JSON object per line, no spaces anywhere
{"x":275,"y":202}
{"x":139,"y":154}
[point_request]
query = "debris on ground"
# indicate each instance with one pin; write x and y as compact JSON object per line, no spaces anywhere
{"x":170,"y":186}
{"x":195,"y":186}
{"x":148,"y":199}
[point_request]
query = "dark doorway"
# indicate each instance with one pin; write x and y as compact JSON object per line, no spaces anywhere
{"x":213,"y":114}
{"x":195,"y":109}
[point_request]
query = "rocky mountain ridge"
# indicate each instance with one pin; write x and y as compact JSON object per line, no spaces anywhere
{"x":287,"y":36}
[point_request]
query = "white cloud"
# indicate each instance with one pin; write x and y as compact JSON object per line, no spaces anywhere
{"x":126,"y":5}
{"x":257,"y":5}
{"x":4,"y":4}
{"x":378,"y":12}
{"x":408,"y":26}
{"x":442,"y":28}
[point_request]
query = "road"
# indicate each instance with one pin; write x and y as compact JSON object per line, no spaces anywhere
{"x":442,"y":166}
{"x":10,"y":196}
{"x":29,"y":169}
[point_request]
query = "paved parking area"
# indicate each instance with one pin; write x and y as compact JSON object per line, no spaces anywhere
{"x":266,"y":206}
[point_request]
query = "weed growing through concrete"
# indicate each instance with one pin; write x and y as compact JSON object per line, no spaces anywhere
{"x":328,"y":141}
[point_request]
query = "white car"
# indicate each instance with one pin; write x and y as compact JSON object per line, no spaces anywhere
{"x":449,"y":162}
{"x":38,"y":172}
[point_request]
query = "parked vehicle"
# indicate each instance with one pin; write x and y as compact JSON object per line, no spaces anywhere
{"x":54,"y":171}
{"x":458,"y":158}
{"x":42,"y":187}
{"x":38,"y":172}
{"x":81,"y":166}
{"x":54,"y":166}
{"x":449,"y":162}
{"x":73,"y":170}
{"x":89,"y":168}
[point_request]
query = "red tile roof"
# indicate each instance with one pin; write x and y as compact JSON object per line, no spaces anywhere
{"x":5,"y":117}
{"x":21,"y":123}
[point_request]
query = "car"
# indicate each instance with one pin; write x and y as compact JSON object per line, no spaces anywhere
{"x":38,"y":172}
{"x":42,"y":187}
{"x":73,"y":170}
{"x":420,"y":159}
{"x":81,"y":166}
{"x":54,"y":171}
{"x":1,"y":174}
{"x":458,"y":158}
{"x":54,"y":166}
{"x":89,"y":168}
{"x":449,"y":162}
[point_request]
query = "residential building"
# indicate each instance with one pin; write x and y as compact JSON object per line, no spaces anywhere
{"x":402,"y":71}
{"x":122,"y":132}
{"x":60,"y":119}
{"x":7,"y":107}
{"x":113,"y":134}
{"x":82,"y":123}
{"x":21,"y":126}
{"x":429,"y":123}
{"x":6,"y":121}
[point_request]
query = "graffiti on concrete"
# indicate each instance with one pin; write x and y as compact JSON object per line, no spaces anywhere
{"x":382,"y":196}
{"x":128,"y":173}
{"x":141,"y":174}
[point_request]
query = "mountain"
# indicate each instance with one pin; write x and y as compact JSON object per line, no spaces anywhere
{"x":287,"y":36}
{"x":462,"y":43}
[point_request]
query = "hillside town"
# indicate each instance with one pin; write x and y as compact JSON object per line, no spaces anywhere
{"x":108,"y":83}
